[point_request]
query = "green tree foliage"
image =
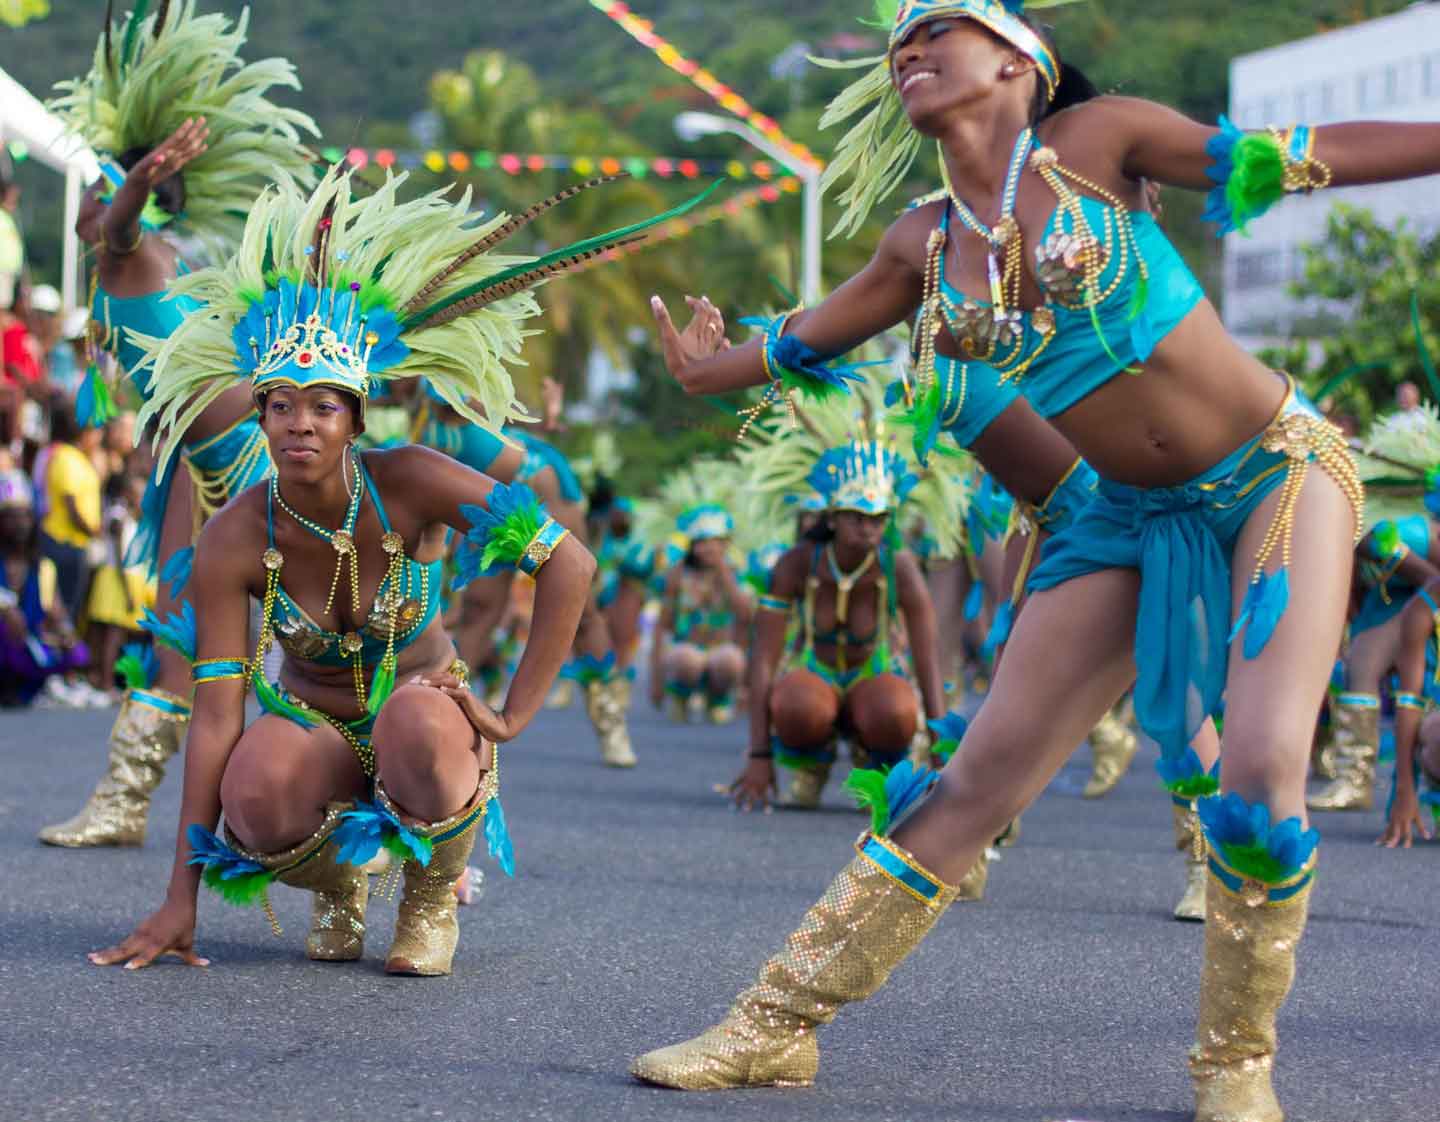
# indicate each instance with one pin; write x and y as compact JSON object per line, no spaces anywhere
{"x":1373,"y":283}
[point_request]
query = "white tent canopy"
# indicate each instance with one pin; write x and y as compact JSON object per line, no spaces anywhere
{"x":24,"y":118}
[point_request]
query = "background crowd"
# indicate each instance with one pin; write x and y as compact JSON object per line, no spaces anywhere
{"x":69,"y":503}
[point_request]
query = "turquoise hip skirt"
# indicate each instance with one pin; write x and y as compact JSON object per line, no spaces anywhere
{"x":1182,"y":540}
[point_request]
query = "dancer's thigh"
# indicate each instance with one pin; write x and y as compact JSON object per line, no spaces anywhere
{"x":1271,"y":701}
{"x":1070,"y":657}
{"x":280,"y":778}
{"x":176,"y":531}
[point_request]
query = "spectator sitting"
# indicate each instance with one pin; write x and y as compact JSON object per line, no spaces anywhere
{"x":38,"y":648}
{"x":118,"y":595}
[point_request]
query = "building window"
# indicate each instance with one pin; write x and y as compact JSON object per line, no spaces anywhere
{"x":1430,"y":74}
{"x":1260,"y":268}
{"x":1329,"y":100}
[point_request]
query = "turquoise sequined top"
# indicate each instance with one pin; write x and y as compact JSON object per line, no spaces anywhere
{"x":419,"y":602}
{"x":156,"y":314}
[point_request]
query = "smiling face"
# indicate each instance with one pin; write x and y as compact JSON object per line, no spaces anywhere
{"x":308,"y":430}
{"x":951,"y":62}
{"x":855,"y":531}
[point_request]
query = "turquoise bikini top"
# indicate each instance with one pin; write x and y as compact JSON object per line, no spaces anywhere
{"x":972,"y":394}
{"x":154,"y":314}
{"x":419,"y":602}
{"x":1413,"y":533}
{"x":1066,"y":349}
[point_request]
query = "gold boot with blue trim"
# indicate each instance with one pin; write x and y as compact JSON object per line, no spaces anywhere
{"x":1257,"y":899}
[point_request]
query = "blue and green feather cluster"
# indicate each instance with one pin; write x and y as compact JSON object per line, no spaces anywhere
{"x":1249,"y":177}
{"x":237,"y":879}
{"x":176,"y":631}
{"x":1241,"y":834}
{"x":586,"y":668}
{"x":499,"y":532}
{"x":889,"y":793}
{"x":1185,"y":777}
{"x":369,"y":828}
{"x":137,"y":666}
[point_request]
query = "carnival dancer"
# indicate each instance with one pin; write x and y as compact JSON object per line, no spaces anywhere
{"x":1398,"y":554}
{"x":515,"y":454}
{"x":1207,"y":506}
{"x":704,"y":617}
{"x":371,"y":737}
{"x":187,"y":136}
{"x":1417,"y":758}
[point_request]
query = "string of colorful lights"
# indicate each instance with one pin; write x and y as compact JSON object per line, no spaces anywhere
{"x":521,"y":163}
{"x":643,"y":32}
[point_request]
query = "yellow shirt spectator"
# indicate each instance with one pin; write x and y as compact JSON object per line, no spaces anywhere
{"x":70,"y":473}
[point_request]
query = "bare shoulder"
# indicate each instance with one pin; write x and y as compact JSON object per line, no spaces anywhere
{"x":410,"y":465}
{"x":788,"y":576}
{"x":235,"y":537}
{"x":907,"y":566}
{"x":906,"y":237}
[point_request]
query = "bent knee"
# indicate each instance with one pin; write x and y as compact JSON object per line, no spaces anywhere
{"x":418,"y":724}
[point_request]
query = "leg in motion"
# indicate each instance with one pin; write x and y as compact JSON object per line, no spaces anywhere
{"x":1075,"y":641}
{"x":1355,"y":720}
{"x":1189,"y":837}
{"x":1256,"y":908}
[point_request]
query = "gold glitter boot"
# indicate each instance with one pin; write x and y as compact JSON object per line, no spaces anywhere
{"x":148,"y":730}
{"x":1250,"y":941}
{"x":607,"y":713}
{"x":426,"y":927}
{"x":1356,"y":719}
{"x":806,"y":786}
{"x":1190,"y":840}
{"x":864,"y":926}
{"x":1113,"y":744}
{"x":562,"y":695}
{"x":337,"y":918}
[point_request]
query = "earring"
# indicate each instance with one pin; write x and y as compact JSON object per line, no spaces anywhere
{"x":345,"y":475}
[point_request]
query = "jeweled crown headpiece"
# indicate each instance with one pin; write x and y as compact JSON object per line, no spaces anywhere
{"x":868,"y":476}
{"x":879,"y":150}
{"x":333,"y":289}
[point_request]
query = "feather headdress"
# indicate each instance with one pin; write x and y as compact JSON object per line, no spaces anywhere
{"x":332,"y":289}
{"x":880,"y":148}
{"x":154,"y":71}
{"x":1400,"y":464}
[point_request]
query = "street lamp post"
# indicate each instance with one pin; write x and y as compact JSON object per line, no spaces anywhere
{"x":692,"y":126}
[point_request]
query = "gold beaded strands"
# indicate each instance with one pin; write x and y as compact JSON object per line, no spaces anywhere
{"x":343,"y":539}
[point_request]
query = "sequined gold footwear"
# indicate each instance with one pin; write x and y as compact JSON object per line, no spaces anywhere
{"x":1251,"y":932}
{"x":148,"y":730}
{"x":1190,"y":840}
{"x":607,"y":715}
{"x":562,"y":695}
{"x":337,"y":917}
{"x":865,"y":925}
{"x":806,"y":786}
{"x":427,"y":929}
{"x":1356,"y":718}
{"x":1113,"y":744}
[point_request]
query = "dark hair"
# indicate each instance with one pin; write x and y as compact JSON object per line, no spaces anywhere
{"x":602,"y":496}
{"x":64,"y":428}
{"x":169,"y":192}
{"x":822,"y":533}
{"x":1073,"y":88}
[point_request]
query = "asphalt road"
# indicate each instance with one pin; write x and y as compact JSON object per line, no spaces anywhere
{"x":642,"y":905}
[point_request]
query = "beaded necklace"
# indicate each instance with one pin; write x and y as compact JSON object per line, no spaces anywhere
{"x":1070,"y":265}
{"x":351,"y":642}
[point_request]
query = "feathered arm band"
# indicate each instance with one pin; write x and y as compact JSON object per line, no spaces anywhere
{"x":513,"y":532}
{"x":1254,"y":171}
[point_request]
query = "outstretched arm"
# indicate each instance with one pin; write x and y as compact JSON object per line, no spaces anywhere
{"x":1417,"y":630}
{"x":1162,"y":144}
{"x":439,"y":487}
{"x":223,"y":561}
{"x":881,"y":295}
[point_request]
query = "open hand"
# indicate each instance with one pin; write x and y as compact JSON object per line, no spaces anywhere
{"x":703,"y":337}
{"x":172,"y":154}
{"x":170,"y":931}
{"x":1406,"y":819}
{"x":755,"y":786}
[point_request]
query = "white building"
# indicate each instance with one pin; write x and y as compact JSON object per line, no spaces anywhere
{"x":1384,"y":69}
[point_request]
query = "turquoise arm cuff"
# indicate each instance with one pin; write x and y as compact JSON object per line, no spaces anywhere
{"x":1410,"y":701}
{"x":219,"y":670}
{"x":774,"y":604}
{"x":541,"y":546}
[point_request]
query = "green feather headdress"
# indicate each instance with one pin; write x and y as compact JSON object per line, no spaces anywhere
{"x":401,"y":289}
{"x":877,"y":153}
{"x":154,"y":71}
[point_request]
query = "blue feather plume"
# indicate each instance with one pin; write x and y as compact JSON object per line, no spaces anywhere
{"x":497,"y":837}
{"x":364,"y":831}
{"x":208,"y":851}
{"x":974,"y":601}
{"x":177,"y":570}
{"x":176,"y":631}
{"x":1243,"y":836}
{"x":1265,"y":602}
